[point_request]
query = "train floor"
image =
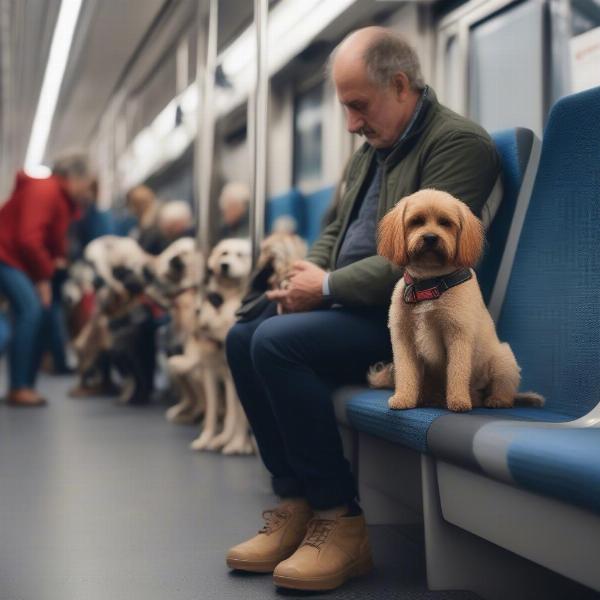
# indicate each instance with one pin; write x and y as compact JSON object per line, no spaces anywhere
{"x":106,"y":502}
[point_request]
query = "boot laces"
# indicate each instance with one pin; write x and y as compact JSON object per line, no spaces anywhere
{"x":274,"y":518}
{"x":318,"y":532}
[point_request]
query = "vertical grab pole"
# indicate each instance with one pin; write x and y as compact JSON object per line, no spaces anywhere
{"x":208,"y":19}
{"x":260,"y":105}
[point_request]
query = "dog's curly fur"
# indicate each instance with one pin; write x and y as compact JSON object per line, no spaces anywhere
{"x":446,"y":350}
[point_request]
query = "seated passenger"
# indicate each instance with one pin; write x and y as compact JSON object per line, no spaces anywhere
{"x":175,"y":221}
{"x":93,"y":224}
{"x":33,"y":239}
{"x":286,"y":366}
{"x":143,"y":204}
{"x":233,"y":204}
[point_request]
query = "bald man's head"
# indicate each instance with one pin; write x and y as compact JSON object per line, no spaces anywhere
{"x":378,"y":80}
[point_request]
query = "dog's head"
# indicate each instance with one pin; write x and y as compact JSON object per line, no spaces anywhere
{"x":178,"y":267}
{"x":430,"y":230}
{"x":231,"y":259}
{"x":277,"y":254}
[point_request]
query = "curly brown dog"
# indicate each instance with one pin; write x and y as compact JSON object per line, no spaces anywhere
{"x":444,"y":341}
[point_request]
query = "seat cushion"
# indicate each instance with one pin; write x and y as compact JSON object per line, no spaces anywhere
{"x":560,"y":463}
{"x":549,"y":459}
{"x":367,"y":411}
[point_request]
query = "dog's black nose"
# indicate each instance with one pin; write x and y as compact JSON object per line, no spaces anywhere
{"x":224,"y":268}
{"x":430,"y":239}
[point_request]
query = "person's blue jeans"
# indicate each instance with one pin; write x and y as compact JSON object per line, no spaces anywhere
{"x":285,"y":369}
{"x":26,"y":309}
{"x":53,"y":333}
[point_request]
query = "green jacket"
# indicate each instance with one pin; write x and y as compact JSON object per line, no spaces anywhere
{"x":444,"y":151}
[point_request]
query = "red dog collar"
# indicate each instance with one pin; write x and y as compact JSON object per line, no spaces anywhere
{"x":430,"y":289}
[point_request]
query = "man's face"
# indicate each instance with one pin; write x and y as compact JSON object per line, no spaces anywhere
{"x":233,"y":211}
{"x":377,"y":113}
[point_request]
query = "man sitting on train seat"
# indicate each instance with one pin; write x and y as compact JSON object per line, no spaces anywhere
{"x":144,"y":206}
{"x":286,"y":366}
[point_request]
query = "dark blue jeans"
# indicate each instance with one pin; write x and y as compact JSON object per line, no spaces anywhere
{"x":27,"y":315}
{"x":285,"y":369}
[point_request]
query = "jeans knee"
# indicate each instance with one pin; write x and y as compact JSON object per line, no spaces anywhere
{"x":265,"y":347}
{"x":237,"y":343}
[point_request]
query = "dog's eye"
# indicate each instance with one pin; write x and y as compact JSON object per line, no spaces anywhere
{"x":416,"y":222}
{"x":444,"y":223}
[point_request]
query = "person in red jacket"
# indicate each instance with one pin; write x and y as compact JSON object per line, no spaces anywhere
{"x":33,"y":239}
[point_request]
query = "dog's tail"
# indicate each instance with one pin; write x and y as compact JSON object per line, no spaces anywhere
{"x":381,"y":375}
{"x":529,"y":399}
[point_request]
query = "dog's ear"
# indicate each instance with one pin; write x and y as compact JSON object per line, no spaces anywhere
{"x":470,"y":238}
{"x":391,"y":236}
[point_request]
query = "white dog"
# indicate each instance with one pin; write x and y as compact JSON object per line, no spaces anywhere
{"x":111,"y":251}
{"x":229,"y":266}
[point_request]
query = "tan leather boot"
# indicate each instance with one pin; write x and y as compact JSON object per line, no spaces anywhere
{"x":282,"y":533}
{"x":332,"y":552}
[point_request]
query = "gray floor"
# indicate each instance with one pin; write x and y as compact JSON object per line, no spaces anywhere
{"x":105,"y":502}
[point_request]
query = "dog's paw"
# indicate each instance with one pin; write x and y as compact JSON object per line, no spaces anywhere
{"x":239,"y":446}
{"x":174,"y":413}
{"x":498,"y":402}
{"x":217,"y":442}
{"x":202,"y":442}
{"x":459,"y":405}
{"x":398,"y":402}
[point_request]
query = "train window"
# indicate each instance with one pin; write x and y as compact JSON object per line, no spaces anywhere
{"x":585,"y":15}
{"x":506,"y":69}
{"x":584,"y":45}
{"x":308,"y":134}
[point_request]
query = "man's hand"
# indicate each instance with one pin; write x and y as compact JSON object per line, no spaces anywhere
{"x":304,"y":291}
{"x":44,"y":292}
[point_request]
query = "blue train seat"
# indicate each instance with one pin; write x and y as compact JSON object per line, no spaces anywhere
{"x":316,"y":204}
{"x":289,"y":204}
{"x":519,"y":155}
{"x":551,"y":317}
{"x":367,"y":410}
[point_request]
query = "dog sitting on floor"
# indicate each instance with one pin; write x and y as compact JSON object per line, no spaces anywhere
{"x":445,"y":347}
{"x":120,"y":332}
{"x":175,"y":278}
{"x":229,"y":267}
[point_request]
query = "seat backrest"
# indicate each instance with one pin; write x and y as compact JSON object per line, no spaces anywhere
{"x":289,"y":204}
{"x":551,"y":311}
{"x":316,"y":205}
{"x":519,"y":154}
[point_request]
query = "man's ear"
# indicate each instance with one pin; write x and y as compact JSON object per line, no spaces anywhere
{"x":401,"y":85}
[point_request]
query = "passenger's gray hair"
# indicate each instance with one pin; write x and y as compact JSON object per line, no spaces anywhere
{"x":72,"y":165}
{"x":386,"y":56}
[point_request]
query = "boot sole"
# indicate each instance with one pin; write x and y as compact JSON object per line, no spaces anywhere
{"x":252,"y":566}
{"x":361,"y":567}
